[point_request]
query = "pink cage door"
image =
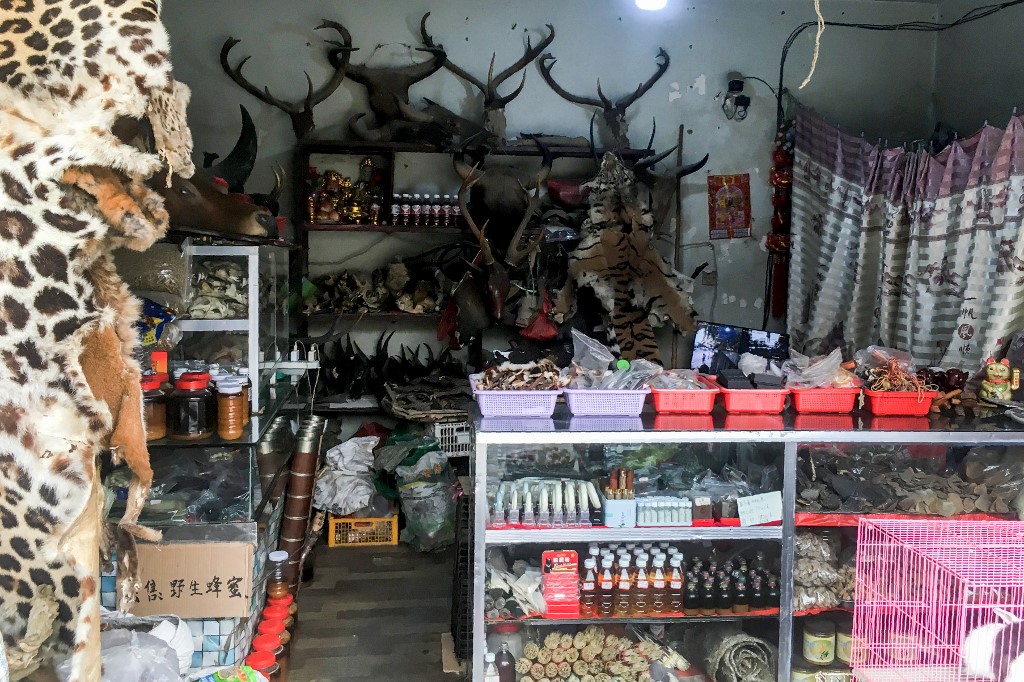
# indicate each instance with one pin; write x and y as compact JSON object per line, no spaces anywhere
{"x":939,"y":601}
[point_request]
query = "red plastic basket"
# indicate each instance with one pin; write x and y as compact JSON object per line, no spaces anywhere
{"x":754,"y":400}
{"x":900,"y":403}
{"x":825,"y":400}
{"x":686,"y":400}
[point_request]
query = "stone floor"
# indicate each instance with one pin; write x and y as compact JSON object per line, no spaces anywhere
{"x":375,"y":613}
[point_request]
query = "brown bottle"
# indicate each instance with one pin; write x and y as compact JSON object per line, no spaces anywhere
{"x":641,"y":588}
{"x":623,"y":590}
{"x":659,"y":588}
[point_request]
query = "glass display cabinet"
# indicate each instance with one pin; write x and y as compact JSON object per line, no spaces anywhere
{"x":738,"y":497}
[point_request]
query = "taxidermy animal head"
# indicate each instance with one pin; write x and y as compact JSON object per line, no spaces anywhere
{"x":236,"y":168}
{"x":494,"y":104}
{"x":198,"y":203}
{"x":498,"y":279}
{"x":301,"y":114}
{"x":388,"y":91}
{"x":613,"y":113}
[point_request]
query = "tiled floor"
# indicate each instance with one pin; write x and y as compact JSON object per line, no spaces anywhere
{"x":373,"y":614}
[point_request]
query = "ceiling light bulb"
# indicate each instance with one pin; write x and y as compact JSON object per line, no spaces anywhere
{"x":651,"y":4}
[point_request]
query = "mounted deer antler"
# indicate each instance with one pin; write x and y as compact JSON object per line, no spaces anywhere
{"x":614,"y":113}
{"x":516,"y":255}
{"x":494,"y":104}
{"x":499,"y":283}
{"x":300,"y":114}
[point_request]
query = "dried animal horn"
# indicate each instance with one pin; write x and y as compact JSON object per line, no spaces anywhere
{"x":238,"y":164}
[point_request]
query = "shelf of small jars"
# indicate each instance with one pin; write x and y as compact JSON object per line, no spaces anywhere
{"x":388,"y":229}
{"x":494,"y":536}
{"x":664,"y":618}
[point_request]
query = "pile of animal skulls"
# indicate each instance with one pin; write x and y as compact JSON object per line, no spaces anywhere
{"x":386,"y":289}
{"x":535,"y":376}
{"x":221,"y":292}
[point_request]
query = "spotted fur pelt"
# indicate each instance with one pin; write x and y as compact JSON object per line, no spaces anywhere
{"x":70,"y":192}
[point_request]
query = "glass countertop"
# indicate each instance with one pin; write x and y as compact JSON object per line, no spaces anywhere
{"x":979,"y":425}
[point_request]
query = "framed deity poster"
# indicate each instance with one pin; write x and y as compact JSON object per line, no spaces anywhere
{"x":729,"y":206}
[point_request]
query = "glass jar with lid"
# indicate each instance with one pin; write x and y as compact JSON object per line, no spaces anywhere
{"x":191,"y":412}
{"x":819,"y":641}
{"x":230,"y":409}
{"x":154,"y":408}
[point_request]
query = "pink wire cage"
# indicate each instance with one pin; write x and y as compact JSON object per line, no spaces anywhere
{"x":939,"y":601}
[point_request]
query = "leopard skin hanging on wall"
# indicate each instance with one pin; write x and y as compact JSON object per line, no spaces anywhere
{"x":70,"y":192}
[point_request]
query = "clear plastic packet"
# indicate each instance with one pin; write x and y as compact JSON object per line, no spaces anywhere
{"x":678,"y":379}
{"x":823,"y":371}
{"x":879,"y":356}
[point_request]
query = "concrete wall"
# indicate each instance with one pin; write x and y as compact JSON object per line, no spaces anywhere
{"x":854,"y":85}
{"x":978,"y":74}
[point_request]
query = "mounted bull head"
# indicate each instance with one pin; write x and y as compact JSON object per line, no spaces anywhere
{"x":300,"y":114}
{"x":387,"y":89}
{"x":197,"y":203}
{"x":494,"y":104}
{"x":614,"y":113}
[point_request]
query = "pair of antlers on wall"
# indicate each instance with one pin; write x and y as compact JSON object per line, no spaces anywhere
{"x":389,"y":87}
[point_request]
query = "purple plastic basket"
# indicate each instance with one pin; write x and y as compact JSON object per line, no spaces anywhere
{"x":599,"y":402}
{"x":514,"y":403}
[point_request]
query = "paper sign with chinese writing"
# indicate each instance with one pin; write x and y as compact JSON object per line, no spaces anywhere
{"x":561,"y":574}
{"x":195,"y":579}
{"x":759,"y":509}
{"x":729,"y":215}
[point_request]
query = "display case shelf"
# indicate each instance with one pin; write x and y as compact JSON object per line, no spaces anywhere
{"x":213,"y":325}
{"x":393,"y":315}
{"x":382,"y":229}
{"x":664,"y":620}
{"x":674,"y":534}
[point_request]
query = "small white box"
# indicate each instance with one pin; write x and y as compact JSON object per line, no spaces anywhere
{"x":619,"y":513}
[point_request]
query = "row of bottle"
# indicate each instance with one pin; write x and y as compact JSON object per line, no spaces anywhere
{"x":423,"y":211}
{"x":647,"y":580}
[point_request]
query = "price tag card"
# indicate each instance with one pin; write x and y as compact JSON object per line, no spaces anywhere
{"x":760,"y":509}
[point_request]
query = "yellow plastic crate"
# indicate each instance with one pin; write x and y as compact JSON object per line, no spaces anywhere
{"x":346,"y":531}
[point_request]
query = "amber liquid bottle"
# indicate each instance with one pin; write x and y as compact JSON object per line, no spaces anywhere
{"x":675,"y":586}
{"x":623,"y":590}
{"x":588,"y":591}
{"x":606,"y":589}
{"x":641,"y":588}
{"x":659,"y":588}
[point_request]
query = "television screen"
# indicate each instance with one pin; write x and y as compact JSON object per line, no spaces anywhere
{"x":719,"y":346}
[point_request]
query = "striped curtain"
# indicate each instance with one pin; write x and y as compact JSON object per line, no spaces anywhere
{"x":911,"y":250}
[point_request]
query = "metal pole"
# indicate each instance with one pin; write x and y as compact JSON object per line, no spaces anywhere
{"x":788,"y":559}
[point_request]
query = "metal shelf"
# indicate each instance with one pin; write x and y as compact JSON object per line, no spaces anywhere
{"x":213,"y":325}
{"x":674,"y":534}
{"x":381,"y":229}
{"x":665,"y":620}
{"x":394,"y":316}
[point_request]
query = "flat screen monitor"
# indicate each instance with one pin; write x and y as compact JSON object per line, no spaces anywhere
{"x":719,"y":346}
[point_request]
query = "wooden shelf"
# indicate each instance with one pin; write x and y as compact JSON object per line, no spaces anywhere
{"x":385,"y":229}
{"x":359,"y":147}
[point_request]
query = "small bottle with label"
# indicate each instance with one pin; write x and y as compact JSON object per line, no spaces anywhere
{"x":723,"y":597}
{"x":435,"y":211}
{"x":707,"y":598}
{"x":623,"y":590}
{"x":659,"y":586}
{"x":773,"y":599}
{"x":416,"y":210}
{"x":406,"y":211}
{"x":757,"y":596}
{"x":455,"y":214}
{"x":606,"y":589}
{"x":691,"y":601}
{"x":588,"y":590}
{"x":490,"y":670}
{"x":675,"y":585}
{"x":396,"y":209}
{"x":740,"y":600}
{"x":641,"y":588}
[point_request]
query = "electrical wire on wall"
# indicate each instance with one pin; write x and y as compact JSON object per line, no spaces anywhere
{"x":919,"y":26}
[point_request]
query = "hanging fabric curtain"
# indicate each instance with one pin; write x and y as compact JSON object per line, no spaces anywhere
{"x":907,"y":249}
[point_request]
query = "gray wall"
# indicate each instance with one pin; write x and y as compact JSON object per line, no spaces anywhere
{"x":854,"y":85}
{"x":978,"y":68}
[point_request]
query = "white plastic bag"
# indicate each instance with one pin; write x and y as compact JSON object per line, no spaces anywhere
{"x":130,"y":656}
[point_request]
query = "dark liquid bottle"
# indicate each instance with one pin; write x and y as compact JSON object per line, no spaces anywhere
{"x":505,"y":662}
{"x":723,"y":598}
{"x":740,"y":600}
{"x":692,"y":599}
{"x":774,"y":598}
{"x":707,"y":598}
{"x":757,"y":596}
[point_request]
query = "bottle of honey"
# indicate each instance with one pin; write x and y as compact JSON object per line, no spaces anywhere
{"x":659,"y":587}
{"x":588,"y":590}
{"x":641,"y":588}
{"x":606,"y":589}
{"x":623,"y":590}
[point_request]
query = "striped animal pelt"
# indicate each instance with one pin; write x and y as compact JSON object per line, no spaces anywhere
{"x":618,"y":259}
